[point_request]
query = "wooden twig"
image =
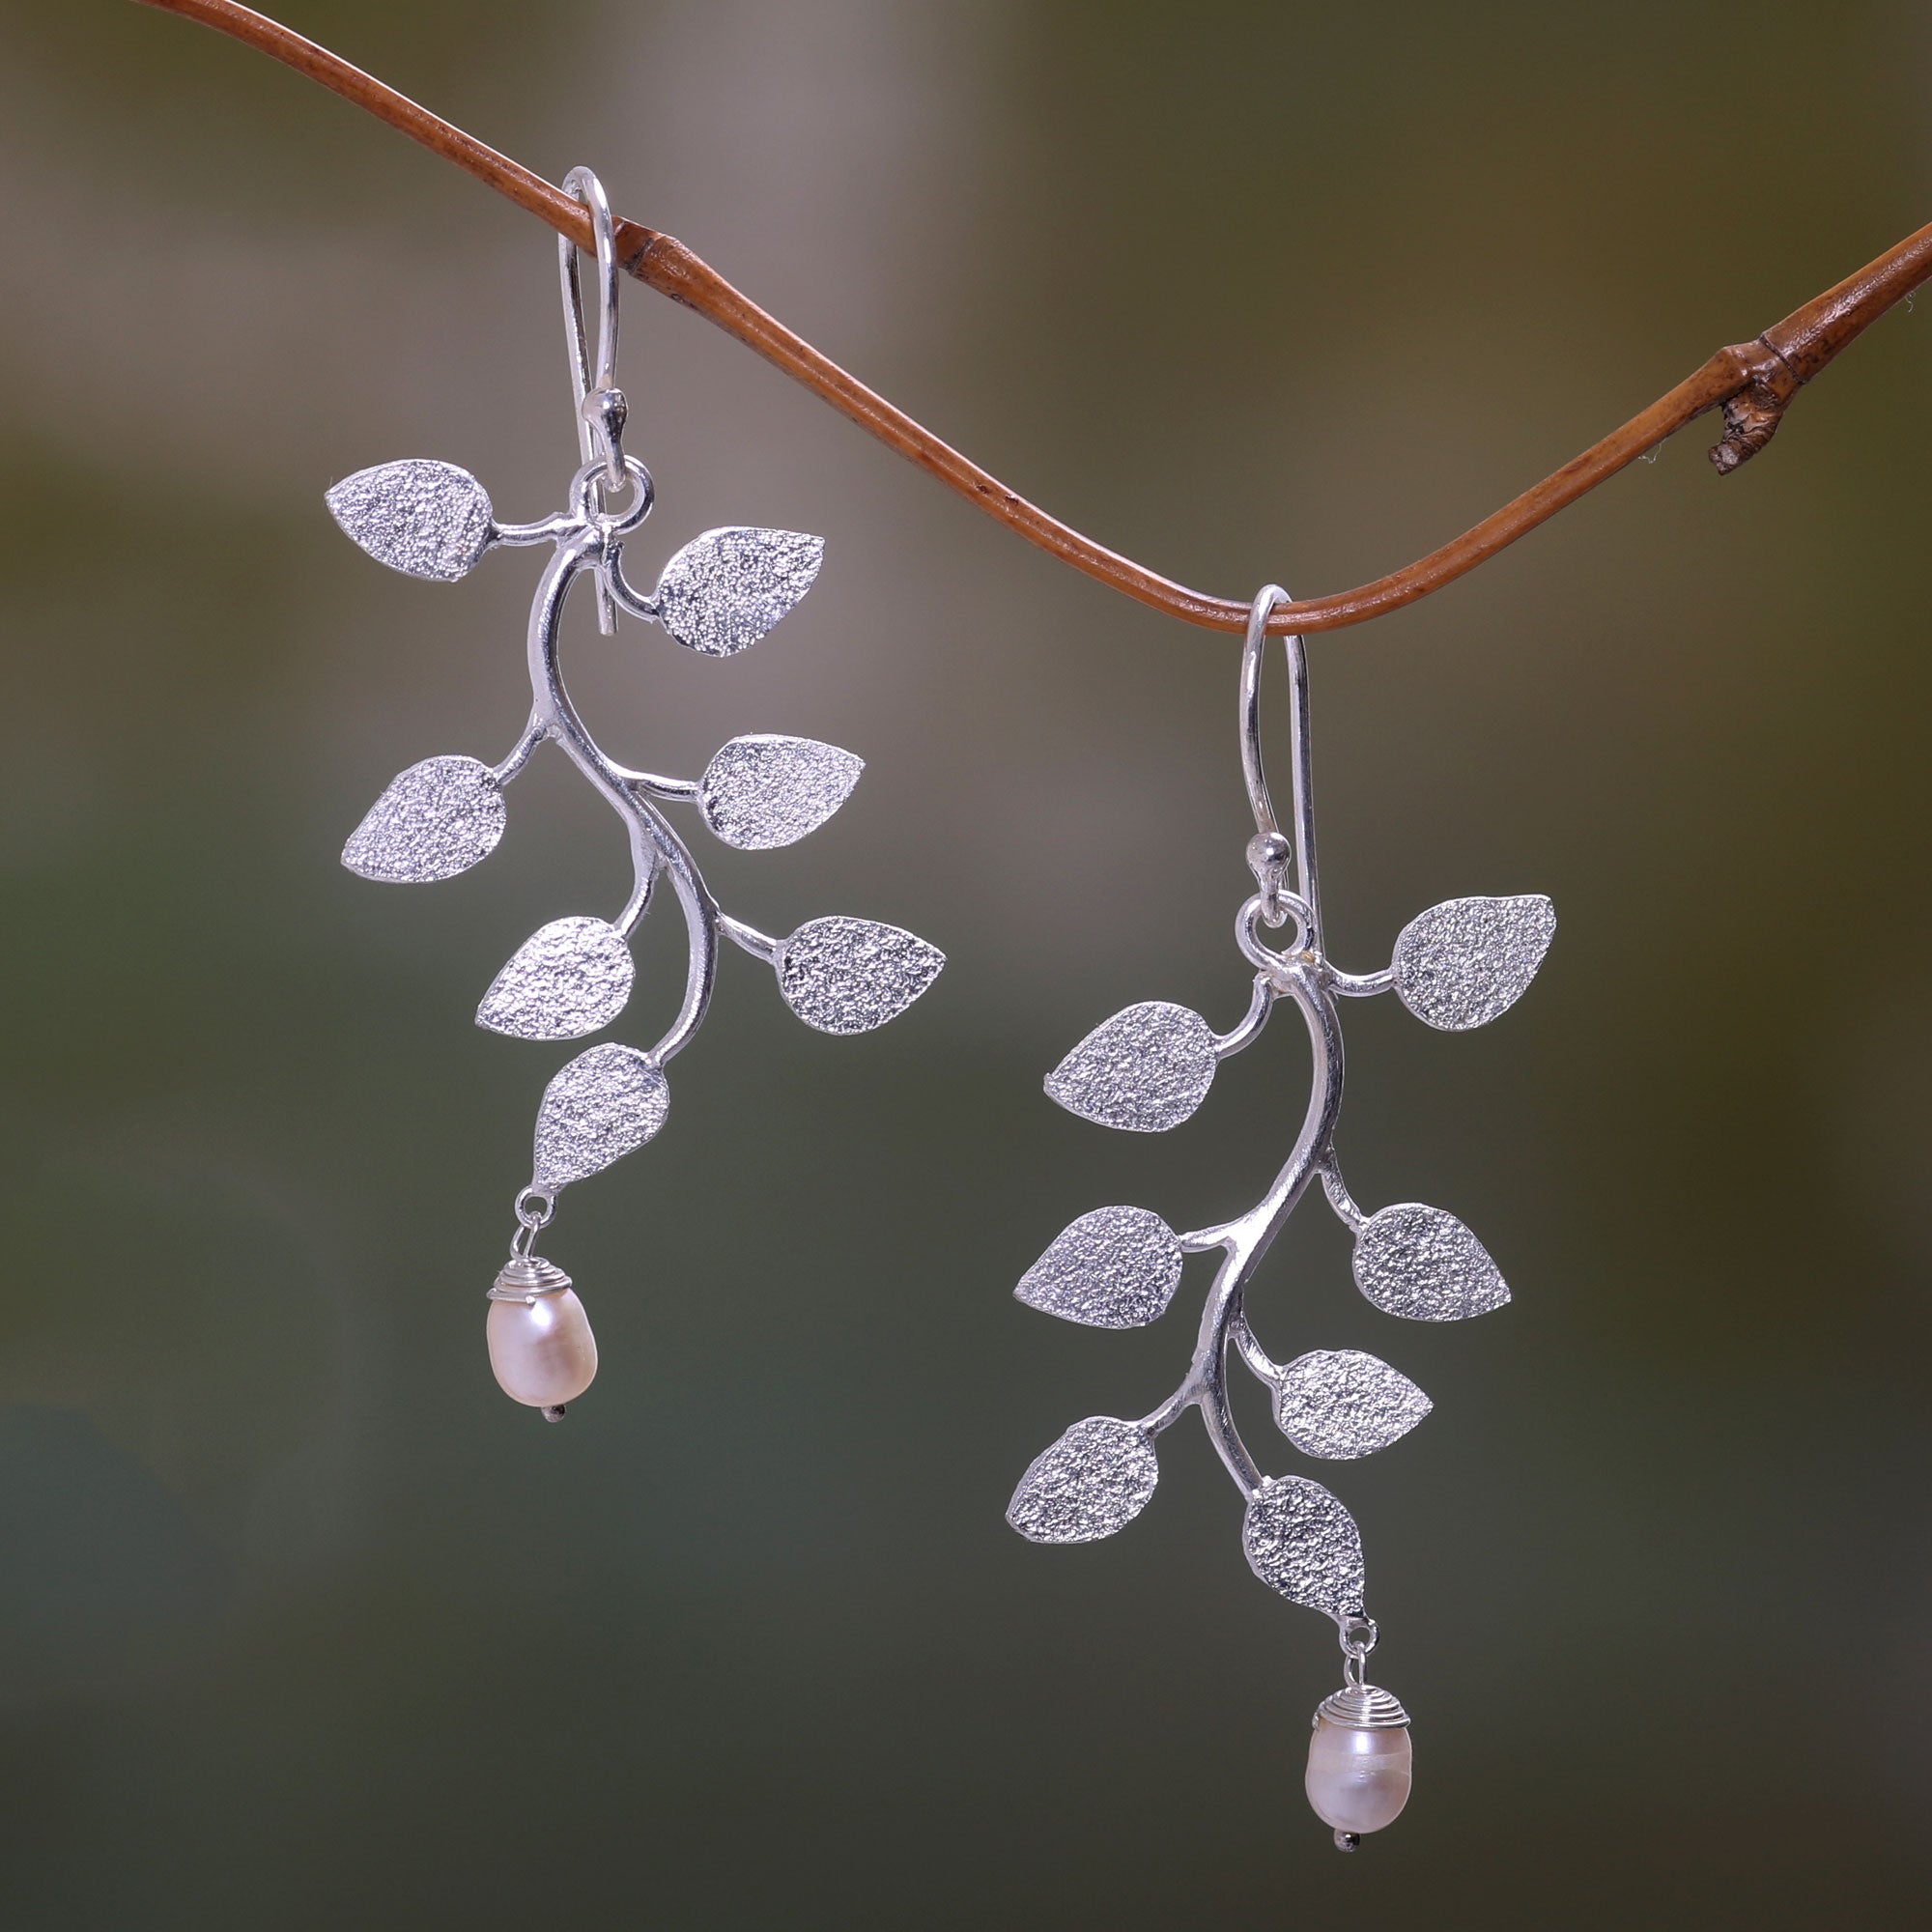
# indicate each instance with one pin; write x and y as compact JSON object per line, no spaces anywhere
{"x":1753,"y":383}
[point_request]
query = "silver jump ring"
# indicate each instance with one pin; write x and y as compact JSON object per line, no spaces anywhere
{"x":585,"y":498}
{"x":1358,"y":1635}
{"x":582,"y":186}
{"x":1277,"y":965}
{"x":533,"y":1210}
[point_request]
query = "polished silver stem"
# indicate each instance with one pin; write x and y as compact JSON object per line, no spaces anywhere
{"x":1304,"y":977}
{"x":1260,"y":1364}
{"x":1248,"y":1029}
{"x":1360,"y":986}
{"x":1248,"y":1238}
{"x":677,"y":792}
{"x":1340,"y":1199}
{"x":1206,"y":1383}
{"x":760,"y":945}
{"x":653,"y":842}
{"x":533,"y":735}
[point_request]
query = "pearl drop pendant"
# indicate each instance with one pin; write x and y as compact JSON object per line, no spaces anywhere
{"x":1359,"y":1762}
{"x":541,"y":1348}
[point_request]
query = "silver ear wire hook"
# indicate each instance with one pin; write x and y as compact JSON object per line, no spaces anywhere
{"x":602,"y":408}
{"x":593,"y":439}
{"x":1270,"y":852}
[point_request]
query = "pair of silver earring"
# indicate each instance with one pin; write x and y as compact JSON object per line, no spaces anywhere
{"x":1149,"y":1068}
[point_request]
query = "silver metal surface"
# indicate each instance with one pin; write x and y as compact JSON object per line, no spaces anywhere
{"x":1145,"y":1070}
{"x":1093,"y":1481}
{"x":1248,"y":1029}
{"x":763,"y":791}
{"x":1300,"y":1541}
{"x":1116,"y":1267}
{"x":1151,"y":1066}
{"x":602,"y":408}
{"x":1424,"y":1266}
{"x":568,"y":979}
{"x":584,"y":186}
{"x":524,"y":1277}
{"x":1363,"y":1707}
{"x":760,"y":945}
{"x":535,"y":1211}
{"x":852,"y":974}
{"x":723,"y":590}
{"x":1459,"y":964}
{"x":1339,"y":1403}
{"x":605,"y":1104}
{"x":423,"y":518}
{"x":719,"y":594}
{"x":1356,"y":1635}
{"x":435,"y":820}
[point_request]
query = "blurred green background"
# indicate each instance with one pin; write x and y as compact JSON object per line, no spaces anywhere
{"x":304,"y":1625}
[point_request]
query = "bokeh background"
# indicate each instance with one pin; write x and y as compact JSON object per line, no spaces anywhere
{"x":304,"y":1625}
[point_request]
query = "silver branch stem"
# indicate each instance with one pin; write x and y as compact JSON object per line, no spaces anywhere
{"x":1305,"y":977}
{"x":654,"y":845}
{"x":1247,"y":1239}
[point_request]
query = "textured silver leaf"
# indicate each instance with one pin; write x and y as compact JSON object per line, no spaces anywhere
{"x":429,"y":518}
{"x":1340,"y":1404}
{"x":600,"y":1107}
{"x":1093,"y":1481}
{"x":1145,"y":1070}
{"x":762,"y":792}
{"x":1459,"y":964}
{"x":437,"y":819}
{"x":851,"y":975}
{"x":1116,"y":1267}
{"x":1425,"y":1266}
{"x":566,"y":980}
{"x":725,"y":589}
{"x":1300,"y":1541}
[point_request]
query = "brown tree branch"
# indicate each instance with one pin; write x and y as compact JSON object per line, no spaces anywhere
{"x":1752,"y":382}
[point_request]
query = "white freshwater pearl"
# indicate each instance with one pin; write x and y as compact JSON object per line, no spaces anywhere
{"x":1358,"y":1779}
{"x":542,"y":1350}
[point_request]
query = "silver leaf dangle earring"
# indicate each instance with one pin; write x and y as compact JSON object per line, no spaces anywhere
{"x":1456,"y":966}
{"x":718,"y":595}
